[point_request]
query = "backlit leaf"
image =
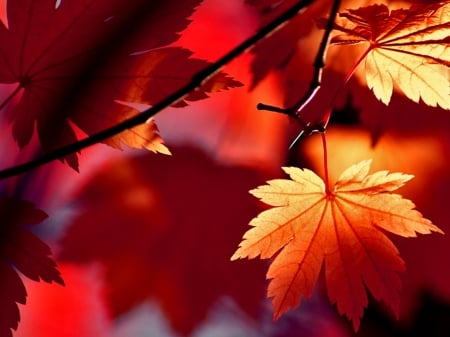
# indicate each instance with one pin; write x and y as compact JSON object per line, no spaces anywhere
{"x":407,"y":48}
{"x":310,"y":226}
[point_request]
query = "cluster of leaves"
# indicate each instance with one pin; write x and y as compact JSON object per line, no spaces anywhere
{"x":80,"y":67}
{"x":313,"y":225}
{"x":85,"y":65}
{"x":122,"y":55}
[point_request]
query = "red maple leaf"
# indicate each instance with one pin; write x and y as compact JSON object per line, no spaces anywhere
{"x":176,"y":220}
{"x":21,"y":250}
{"x":74,"y":62}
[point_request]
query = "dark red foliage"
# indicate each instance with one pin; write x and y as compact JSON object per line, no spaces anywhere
{"x":165,"y":228}
{"x":23,"y":251}
{"x":72,"y":63}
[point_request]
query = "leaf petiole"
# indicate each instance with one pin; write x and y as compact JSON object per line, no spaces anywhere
{"x":325,"y":163}
{"x":354,"y":68}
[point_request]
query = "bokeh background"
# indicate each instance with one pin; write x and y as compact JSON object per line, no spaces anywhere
{"x":143,"y":240}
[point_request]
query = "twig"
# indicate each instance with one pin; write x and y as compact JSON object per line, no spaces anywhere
{"x":316,"y":81}
{"x":196,"y":81}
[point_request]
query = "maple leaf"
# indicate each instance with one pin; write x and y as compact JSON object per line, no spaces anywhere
{"x":408,"y":49}
{"x":339,"y":228}
{"x":22,"y":250}
{"x":74,"y":62}
{"x":178,"y":242}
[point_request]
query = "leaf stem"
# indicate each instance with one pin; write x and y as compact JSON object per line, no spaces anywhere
{"x":352,"y":71}
{"x":325,"y":163}
{"x":196,"y":81}
{"x":354,"y":68}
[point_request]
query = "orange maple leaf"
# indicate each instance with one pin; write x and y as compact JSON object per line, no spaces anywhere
{"x":310,"y":225}
{"x":408,"y":49}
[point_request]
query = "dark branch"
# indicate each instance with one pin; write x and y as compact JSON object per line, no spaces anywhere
{"x":316,"y":81}
{"x":319,"y":62}
{"x":173,"y":98}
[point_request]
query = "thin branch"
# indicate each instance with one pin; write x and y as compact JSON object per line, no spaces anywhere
{"x":316,"y":81}
{"x":196,"y":81}
{"x":319,"y":62}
